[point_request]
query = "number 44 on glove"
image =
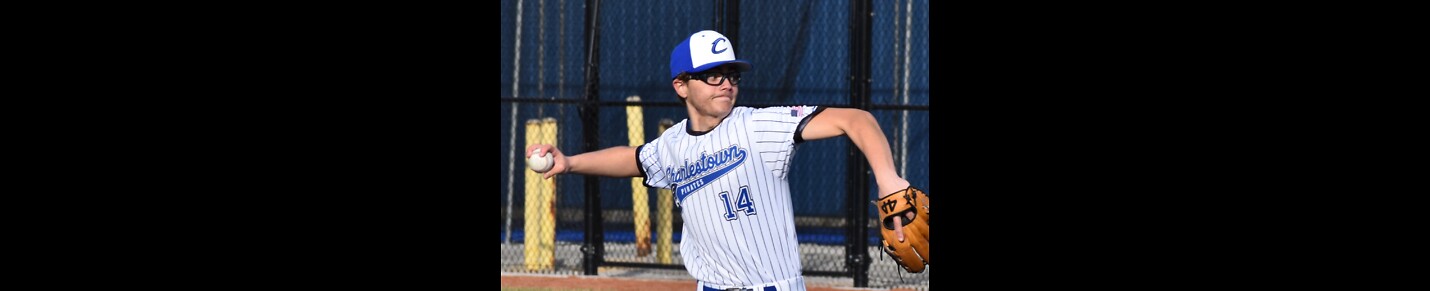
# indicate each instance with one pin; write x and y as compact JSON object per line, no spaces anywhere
{"x":905,"y":211}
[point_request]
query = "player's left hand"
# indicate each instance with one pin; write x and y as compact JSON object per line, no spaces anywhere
{"x":891,"y":185}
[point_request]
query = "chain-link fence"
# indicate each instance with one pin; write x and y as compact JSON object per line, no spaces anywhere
{"x":801,"y":53}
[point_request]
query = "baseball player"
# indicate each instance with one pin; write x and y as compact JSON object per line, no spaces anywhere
{"x":728,"y":167}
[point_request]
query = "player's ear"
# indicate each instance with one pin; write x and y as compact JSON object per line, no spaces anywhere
{"x":680,"y":88}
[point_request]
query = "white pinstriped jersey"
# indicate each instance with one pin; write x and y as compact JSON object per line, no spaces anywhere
{"x":731,"y":185}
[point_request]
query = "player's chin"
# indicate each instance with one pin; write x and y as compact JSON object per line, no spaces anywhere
{"x":722,"y":103}
{"x":722,"y":108}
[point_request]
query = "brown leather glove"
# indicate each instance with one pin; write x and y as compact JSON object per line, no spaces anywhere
{"x":907,"y":211}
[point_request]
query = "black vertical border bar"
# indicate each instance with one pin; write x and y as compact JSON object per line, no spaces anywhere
{"x":593,"y":250}
{"x":857,"y":244}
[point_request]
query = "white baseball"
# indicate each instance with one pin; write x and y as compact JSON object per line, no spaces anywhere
{"x":540,"y":163}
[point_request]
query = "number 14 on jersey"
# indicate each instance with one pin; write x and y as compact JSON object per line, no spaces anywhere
{"x":742,"y":203}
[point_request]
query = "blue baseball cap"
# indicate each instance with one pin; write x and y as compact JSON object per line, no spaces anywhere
{"x":704,"y":50}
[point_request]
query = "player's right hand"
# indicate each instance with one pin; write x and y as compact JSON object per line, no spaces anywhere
{"x":559,"y":159}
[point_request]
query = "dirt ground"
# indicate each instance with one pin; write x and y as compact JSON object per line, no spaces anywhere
{"x":597,"y":283}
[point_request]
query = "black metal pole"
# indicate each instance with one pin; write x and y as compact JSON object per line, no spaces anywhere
{"x":593,"y":250}
{"x":857,"y":246}
{"x":727,"y":21}
{"x":719,"y":16}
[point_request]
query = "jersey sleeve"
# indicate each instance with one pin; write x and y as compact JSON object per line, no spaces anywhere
{"x":648,"y":161}
{"x":776,"y":130}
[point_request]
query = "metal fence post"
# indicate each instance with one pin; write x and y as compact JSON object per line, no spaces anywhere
{"x":593,"y":248}
{"x":857,"y":246}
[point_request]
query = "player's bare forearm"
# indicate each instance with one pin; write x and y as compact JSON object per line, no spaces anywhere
{"x":863,"y":130}
{"x":619,"y":161}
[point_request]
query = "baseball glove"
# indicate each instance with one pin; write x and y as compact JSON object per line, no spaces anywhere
{"x":911,"y":205}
